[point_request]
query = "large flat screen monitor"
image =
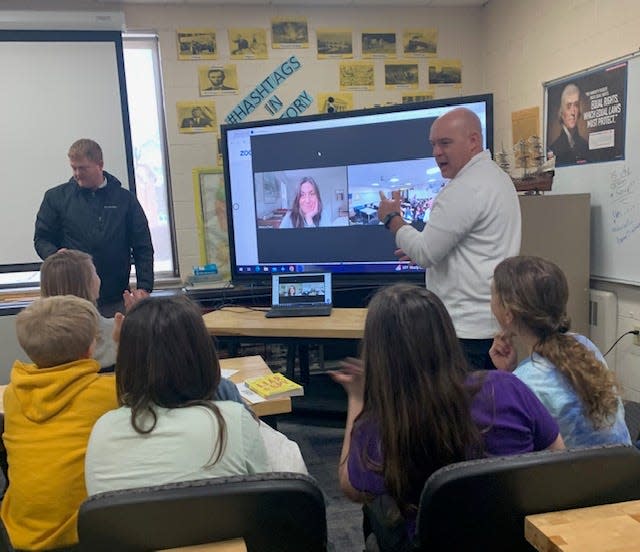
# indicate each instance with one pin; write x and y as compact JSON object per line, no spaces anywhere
{"x":303,"y":193}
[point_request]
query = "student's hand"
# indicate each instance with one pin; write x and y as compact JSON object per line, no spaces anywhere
{"x":503,"y":353}
{"x":118,"y":319}
{"x":132,"y":297}
{"x":387,"y":206}
{"x":351,"y":377}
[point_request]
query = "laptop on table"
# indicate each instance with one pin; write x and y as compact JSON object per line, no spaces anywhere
{"x":300,"y":295}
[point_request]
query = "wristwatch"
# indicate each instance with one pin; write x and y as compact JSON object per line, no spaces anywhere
{"x":390,"y":216}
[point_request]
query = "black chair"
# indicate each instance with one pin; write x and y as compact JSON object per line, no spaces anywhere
{"x":273,"y":512}
{"x":481,"y":504}
{"x":4,"y":465}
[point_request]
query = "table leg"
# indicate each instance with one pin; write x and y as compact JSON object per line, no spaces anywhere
{"x":303,"y":358}
{"x":291,"y":361}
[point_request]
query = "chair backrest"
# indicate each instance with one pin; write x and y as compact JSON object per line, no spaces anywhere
{"x":481,"y":504}
{"x":4,"y":466}
{"x":273,"y":512}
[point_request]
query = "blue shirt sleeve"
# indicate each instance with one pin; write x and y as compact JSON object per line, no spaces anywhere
{"x":227,"y":391}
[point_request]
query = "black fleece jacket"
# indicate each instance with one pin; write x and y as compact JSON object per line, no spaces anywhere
{"x":107,"y":223}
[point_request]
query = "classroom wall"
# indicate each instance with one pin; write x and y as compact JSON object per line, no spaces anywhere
{"x":459,"y":37}
{"x":508,"y":47}
{"x":528,"y":43}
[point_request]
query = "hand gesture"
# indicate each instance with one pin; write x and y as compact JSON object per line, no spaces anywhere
{"x":351,"y":377}
{"x":503,"y":353}
{"x":118,"y":319}
{"x":387,"y":206}
{"x":132,"y":297}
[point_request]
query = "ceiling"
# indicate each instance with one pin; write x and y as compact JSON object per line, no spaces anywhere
{"x":313,"y":3}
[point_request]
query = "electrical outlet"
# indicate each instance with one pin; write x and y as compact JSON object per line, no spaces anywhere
{"x":636,"y":338}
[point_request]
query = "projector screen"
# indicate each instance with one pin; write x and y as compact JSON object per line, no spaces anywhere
{"x":55,"y":87}
{"x":335,"y":166}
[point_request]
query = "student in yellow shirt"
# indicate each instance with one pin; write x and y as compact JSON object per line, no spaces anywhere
{"x":50,"y":408}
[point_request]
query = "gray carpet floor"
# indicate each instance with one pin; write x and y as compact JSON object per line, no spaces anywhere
{"x":320,"y":446}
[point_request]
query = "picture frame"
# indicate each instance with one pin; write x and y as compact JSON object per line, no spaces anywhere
{"x":211,"y":218}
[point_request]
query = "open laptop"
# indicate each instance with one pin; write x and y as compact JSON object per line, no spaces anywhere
{"x":300,"y":295}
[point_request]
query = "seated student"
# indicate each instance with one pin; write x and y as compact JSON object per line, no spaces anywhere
{"x":50,"y":407}
{"x":71,"y":272}
{"x":306,"y":211}
{"x":413,"y":407}
{"x":168,"y":427}
{"x":565,"y":370}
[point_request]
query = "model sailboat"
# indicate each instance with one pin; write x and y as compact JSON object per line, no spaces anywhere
{"x":533,"y":172}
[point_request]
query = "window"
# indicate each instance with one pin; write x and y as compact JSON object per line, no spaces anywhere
{"x":144,"y":95}
{"x":146,"y":116}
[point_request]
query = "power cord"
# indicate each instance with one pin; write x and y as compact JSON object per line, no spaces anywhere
{"x":630,"y":332}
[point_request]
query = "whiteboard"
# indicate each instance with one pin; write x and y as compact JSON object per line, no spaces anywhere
{"x":53,"y":92}
{"x":615,"y":197}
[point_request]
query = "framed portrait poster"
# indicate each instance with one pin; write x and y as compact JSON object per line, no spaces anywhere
{"x":211,"y":218}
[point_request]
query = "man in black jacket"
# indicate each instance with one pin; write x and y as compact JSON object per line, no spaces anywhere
{"x":92,"y":212}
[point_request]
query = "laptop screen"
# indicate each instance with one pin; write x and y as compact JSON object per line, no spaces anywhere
{"x":296,"y":290}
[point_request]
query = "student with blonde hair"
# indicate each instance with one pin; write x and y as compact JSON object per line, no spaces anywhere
{"x":565,"y":370}
{"x":50,"y":407}
{"x":71,"y":272}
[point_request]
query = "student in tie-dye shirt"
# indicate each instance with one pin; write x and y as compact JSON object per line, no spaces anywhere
{"x":565,"y":370}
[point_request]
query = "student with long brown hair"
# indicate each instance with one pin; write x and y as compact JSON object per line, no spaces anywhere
{"x":565,"y":370}
{"x":169,"y":427}
{"x":413,"y":406}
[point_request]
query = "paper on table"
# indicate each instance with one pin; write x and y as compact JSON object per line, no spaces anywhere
{"x":227,"y":372}
{"x":249,"y":395}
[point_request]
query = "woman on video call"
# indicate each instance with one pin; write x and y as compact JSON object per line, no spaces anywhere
{"x":306,"y":211}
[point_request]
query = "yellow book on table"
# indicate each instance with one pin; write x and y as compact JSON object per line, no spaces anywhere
{"x":274,"y":386}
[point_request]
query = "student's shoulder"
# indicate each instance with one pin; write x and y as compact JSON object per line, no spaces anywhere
{"x":61,"y":191}
{"x":536,"y":370}
{"x":583,"y":340}
{"x":232,"y":409}
{"x":500,"y":383}
{"x":111,"y":423}
{"x":102,"y":390}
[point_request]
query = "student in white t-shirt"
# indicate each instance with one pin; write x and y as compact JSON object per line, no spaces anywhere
{"x":168,"y":427}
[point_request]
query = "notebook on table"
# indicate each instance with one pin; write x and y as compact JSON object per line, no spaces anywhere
{"x":300,"y":295}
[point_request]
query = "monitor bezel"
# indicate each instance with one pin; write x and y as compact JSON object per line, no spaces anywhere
{"x":340,"y":279}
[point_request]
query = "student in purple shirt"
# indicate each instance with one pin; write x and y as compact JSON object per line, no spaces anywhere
{"x":413,"y":407}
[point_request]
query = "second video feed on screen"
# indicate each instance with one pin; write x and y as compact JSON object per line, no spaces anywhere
{"x":345,"y":196}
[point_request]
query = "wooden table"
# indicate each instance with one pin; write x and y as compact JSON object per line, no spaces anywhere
{"x":251,"y":367}
{"x":233,"y":545}
{"x":242,"y":324}
{"x":246,"y":322}
{"x":248,"y":367}
{"x":607,"y":528}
